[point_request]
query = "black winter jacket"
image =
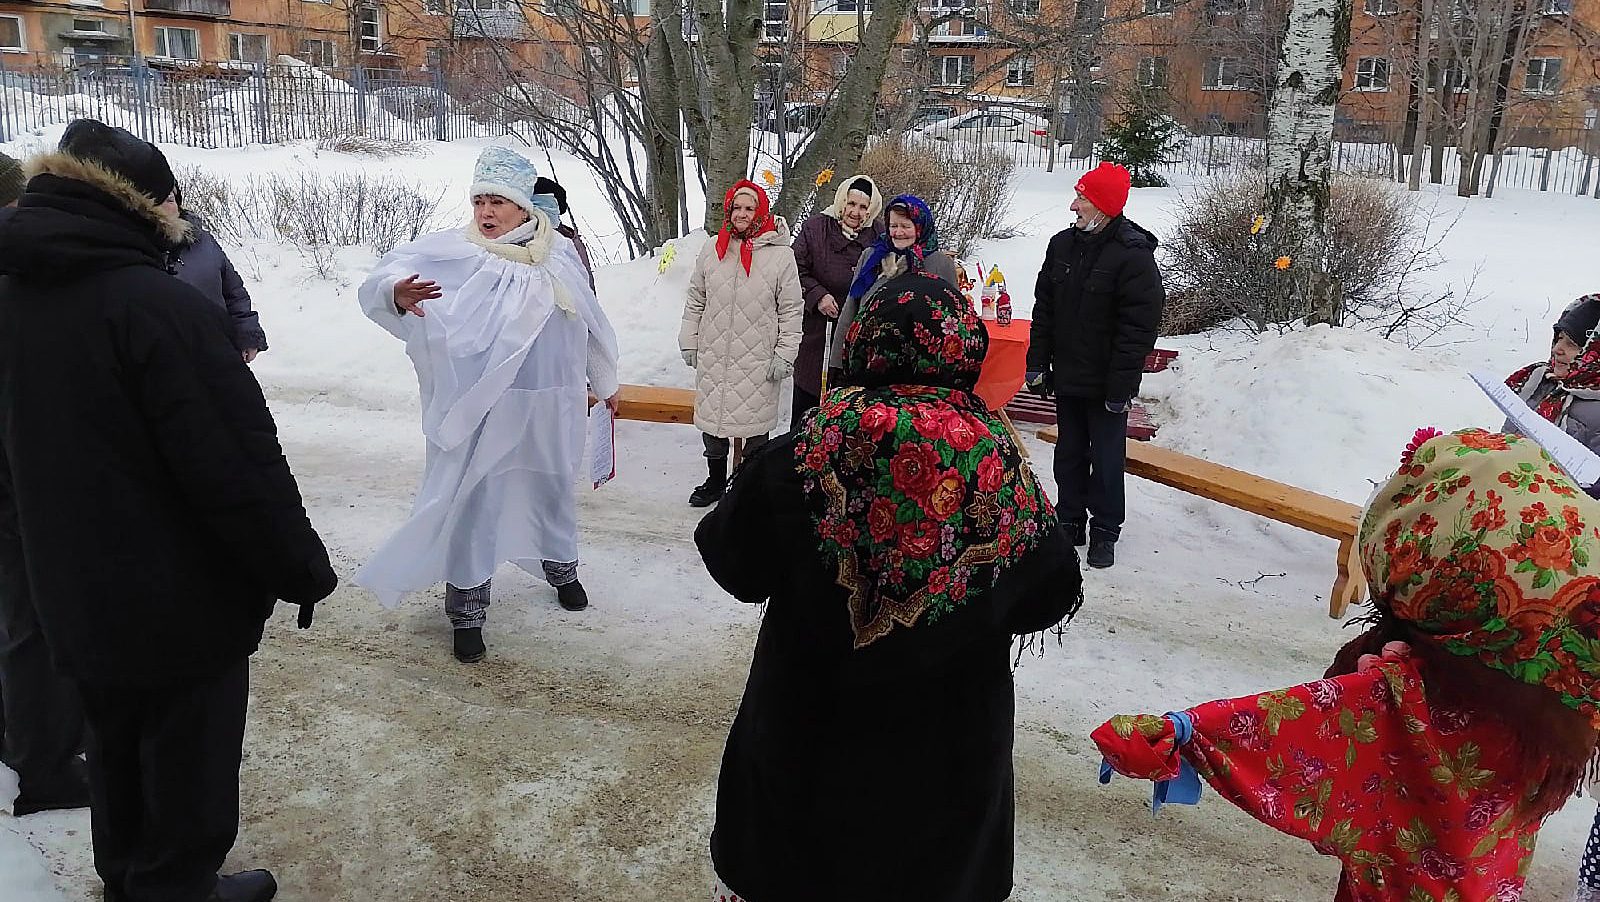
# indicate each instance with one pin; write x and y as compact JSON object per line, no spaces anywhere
{"x":141,"y":481}
{"x":878,"y":773}
{"x":200,"y":261}
{"x":1096,"y":310}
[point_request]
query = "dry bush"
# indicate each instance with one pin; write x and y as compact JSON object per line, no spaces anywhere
{"x":1217,"y":271}
{"x":314,"y":212}
{"x":968,"y":186}
{"x":368,"y":145}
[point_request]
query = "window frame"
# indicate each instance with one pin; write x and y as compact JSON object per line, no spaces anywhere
{"x":966,"y":69}
{"x":376,"y":39}
{"x":1026,"y":69}
{"x":768,"y":30}
{"x":1381,"y":7}
{"x":22,"y":33}
{"x":1011,"y":7}
{"x":162,"y":34}
{"x":1164,"y":70}
{"x":325,"y":50}
{"x":236,"y":49}
{"x":1374,"y":66}
{"x":1544,"y":75}
{"x":1206,"y":76}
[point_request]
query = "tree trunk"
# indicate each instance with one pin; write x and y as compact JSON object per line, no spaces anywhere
{"x":727,"y":45}
{"x":1424,"y":103}
{"x":1087,"y":113}
{"x":841,"y":137}
{"x":1299,"y":150}
{"x":664,"y":136}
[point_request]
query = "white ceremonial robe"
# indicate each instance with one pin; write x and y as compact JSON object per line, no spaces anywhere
{"x":505,"y":358}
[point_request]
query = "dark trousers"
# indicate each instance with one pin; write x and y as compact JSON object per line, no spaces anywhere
{"x":717,"y":447}
{"x":1090,"y":450}
{"x":803,"y":401}
{"x":41,"y":719}
{"x":164,"y":779}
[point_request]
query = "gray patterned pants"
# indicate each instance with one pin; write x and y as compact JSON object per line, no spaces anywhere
{"x":468,"y":608}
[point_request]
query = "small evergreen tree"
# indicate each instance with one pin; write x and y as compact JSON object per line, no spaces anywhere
{"x":1143,"y":137}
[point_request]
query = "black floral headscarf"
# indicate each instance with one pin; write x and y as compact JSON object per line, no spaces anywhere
{"x":919,"y":495}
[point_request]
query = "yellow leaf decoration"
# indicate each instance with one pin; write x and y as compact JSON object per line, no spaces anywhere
{"x":667,"y":253}
{"x":824,"y":177}
{"x":1282,"y":262}
{"x":769,"y":178}
{"x":1260,"y":223}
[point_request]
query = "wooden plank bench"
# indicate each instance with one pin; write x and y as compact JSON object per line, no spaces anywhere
{"x":1275,"y":500}
{"x":655,"y":405}
{"x":1030,"y":408}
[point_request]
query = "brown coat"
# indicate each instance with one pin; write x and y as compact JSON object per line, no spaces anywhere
{"x":827,"y":262}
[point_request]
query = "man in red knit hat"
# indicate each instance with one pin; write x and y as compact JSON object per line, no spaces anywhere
{"x":1097,"y":306}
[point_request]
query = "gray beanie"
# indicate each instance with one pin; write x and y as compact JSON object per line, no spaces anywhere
{"x":10,"y":180}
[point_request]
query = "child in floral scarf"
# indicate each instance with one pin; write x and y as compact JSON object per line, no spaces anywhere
{"x":1444,"y":734}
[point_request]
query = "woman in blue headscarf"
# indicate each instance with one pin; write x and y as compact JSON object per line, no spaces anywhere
{"x":910,"y":245}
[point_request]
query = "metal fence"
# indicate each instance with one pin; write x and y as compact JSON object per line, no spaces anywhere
{"x":234,"y":104}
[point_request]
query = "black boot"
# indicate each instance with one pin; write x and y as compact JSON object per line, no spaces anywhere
{"x":70,"y":789}
{"x":710,"y":491}
{"x":469,"y":646}
{"x":1077,"y":533}
{"x":572,"y":597}
{"x":245,"y":886}
{"x":1102,"y":552}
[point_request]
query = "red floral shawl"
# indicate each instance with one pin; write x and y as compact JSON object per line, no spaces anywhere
{"x":1417,"y":802}
{"x":762,"y":224}
{"x":919,"y":496}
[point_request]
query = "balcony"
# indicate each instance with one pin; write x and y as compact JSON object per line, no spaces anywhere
{"x":212,"y":8}
{"x":504,"y":24}
{"x":961,"y":31}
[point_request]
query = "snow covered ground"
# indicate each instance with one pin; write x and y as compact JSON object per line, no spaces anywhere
{"x":578,"y":761}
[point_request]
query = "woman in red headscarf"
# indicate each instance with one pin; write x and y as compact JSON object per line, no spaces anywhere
{"x":741,"y":330}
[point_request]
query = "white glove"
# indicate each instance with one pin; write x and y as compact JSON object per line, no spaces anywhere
{"x":688,"y":356}
{"x":779,"y":369}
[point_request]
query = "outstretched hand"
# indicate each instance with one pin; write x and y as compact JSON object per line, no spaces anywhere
{"x":410,"y":293}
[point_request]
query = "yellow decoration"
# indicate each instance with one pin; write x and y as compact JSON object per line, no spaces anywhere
{"x":1261,"y":223}
{"x":1282,"y":262}
{"x":995,"y":277}
{"x":769,"y":178}
{"x":667,"y":253}
{"x":824,"y":177}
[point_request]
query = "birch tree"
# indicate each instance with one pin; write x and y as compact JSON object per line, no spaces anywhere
{"x":1299,"y":154}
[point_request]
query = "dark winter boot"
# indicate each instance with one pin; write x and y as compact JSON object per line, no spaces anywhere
{"x":572,"y":597}
{"x":69,"y":789}
{"x":1102,"y":552}
{"x":245,"y":886}
{"x":469,"y":647}
{"x":710,"y":491}
{"x":1077,"y":533}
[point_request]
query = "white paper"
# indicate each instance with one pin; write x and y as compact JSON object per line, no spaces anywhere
{"x":602,"y":444}
{"x":1573,"y":456}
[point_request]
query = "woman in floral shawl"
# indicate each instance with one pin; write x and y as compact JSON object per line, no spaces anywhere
{"x":1565,"y":389}
{"x":1441,"y":737}
{"x":902,"y":542}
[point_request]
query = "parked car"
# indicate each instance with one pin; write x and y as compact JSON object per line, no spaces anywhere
{"x":414,"y":102}
{"x":797,"y":117}
{"x":991,"y":126}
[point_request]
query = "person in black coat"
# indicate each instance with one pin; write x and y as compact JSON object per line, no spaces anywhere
{"x":900,"y":541}
{"x":1096,"y":312}
{"x":200,"y":261}
{"x":146,"y":501}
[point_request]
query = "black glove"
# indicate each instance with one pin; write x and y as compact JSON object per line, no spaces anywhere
{"x":1039,"y":383}
{"x":306,"y":612}
{"x":1118,"y":406}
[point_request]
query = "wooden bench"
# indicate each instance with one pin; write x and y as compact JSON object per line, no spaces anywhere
{"x":1275,"y":500}
{"x":1030,"y":408}
{"x":655,"y":405}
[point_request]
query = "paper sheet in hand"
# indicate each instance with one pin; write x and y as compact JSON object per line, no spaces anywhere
{"x":1571,"y":454}
{"x":602,"y":444}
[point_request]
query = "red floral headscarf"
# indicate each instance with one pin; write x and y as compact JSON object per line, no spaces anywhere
{"x":1484,"y":542}
{"x":920,"y":498}
{"x":762,"y":224}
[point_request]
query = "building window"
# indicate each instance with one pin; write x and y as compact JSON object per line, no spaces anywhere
{"x":1024,"y":8}
{"x":1544,"y":75}
{"x":368,"y":28}
{"x":1382,"y":7}
{"x":1372,"y":73}
{"x":1232,"y":7}
{"x":841,"y":64}
{"x":11,"y":33}
{"x":1019,"y":72}
{"x":950,"y":71}
{"x":320,"y":53}
{"x":87,"y":25}
{"x":1159,"y":7}
{"x":840,"y":7}
{"x":247,"y":48}
{"x":775,"y":20}
{"x":948,"y":7}
{"x":1222,"y":74}
{"x":1455,"y":79}
{"x":1153,"y":72}
{"x":178,"y":43}
{"x":1555,"y":7}
{"x":434,"y":7}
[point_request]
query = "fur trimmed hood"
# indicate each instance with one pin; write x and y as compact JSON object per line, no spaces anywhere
{"x":170,"y":227}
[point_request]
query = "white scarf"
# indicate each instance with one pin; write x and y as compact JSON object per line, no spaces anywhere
{"x":528,"y":244}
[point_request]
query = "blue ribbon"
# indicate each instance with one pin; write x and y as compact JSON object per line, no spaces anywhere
{"x":1183,"y":789}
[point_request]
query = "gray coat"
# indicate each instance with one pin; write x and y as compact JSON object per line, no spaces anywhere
{"x":201,"y":262}
{"x":1580,"y":417}
{"x":938,"y":263}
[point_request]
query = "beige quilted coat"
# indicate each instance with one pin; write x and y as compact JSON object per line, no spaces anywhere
{"x":736,"y":324}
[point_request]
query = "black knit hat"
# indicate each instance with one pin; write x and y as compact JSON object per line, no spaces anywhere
{"x":11,"y":180}
{"x":550,"y":186}
{"x":123,"y":153}
{"x":1579,"y":319}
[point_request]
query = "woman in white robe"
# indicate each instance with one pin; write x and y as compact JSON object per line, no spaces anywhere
{"x":508,"y":341}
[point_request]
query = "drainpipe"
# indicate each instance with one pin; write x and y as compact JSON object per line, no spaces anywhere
{"x":133,"y":35}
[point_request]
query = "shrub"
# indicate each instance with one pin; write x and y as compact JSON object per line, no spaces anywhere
{"x":1218,"y":269}
{"x":968,"y":186}
{"x":368,"y":145}
{"x":1142,"y":137}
